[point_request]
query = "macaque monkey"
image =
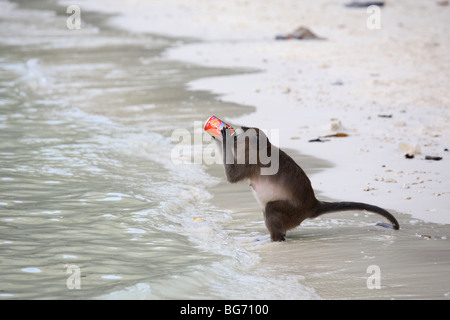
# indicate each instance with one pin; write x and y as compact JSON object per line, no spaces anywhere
{"x":278,"y":183}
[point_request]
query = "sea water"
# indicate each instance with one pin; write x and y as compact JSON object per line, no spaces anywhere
{"x":91,"y":203}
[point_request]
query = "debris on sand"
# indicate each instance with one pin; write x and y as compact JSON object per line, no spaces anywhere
{"x":443,"y":3}
{"x":411,"y":150}
{"x":337,"y":82}
{"x":336,"y":125}
{"x":364,"y":4}
{"x":318,"y":140}
{"x":335,"y":135}
{"x":300,"y":33}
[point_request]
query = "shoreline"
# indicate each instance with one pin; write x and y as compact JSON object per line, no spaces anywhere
{"x":308,"y":89}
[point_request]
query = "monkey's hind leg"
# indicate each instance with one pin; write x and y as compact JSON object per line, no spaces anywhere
{"x":281,"y":216}
{"x":276,"y":217}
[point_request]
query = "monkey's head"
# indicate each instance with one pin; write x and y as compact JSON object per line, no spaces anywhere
{"x":255,"y":136}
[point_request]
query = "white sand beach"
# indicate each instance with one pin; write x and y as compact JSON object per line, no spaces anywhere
{"x":387,"y":87}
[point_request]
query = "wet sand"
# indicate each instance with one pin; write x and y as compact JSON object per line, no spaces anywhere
{"x":332,"y":254}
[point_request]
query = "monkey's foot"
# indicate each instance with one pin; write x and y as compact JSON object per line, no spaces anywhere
{"x":277,"y":237}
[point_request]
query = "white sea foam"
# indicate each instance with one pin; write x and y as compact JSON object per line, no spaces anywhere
{"x":31,"y":270}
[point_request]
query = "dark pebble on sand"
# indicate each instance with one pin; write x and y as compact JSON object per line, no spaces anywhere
{"x":364,"y":4}
{"x":433,"y":158}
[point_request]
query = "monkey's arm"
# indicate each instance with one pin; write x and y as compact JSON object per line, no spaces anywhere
{"x":234,"y":172}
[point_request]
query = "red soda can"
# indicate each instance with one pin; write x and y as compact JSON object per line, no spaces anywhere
{"x":214,"y":125}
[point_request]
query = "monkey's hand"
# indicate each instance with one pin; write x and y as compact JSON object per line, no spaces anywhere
{"x":226,"y":147}
{"x":225,"y":132}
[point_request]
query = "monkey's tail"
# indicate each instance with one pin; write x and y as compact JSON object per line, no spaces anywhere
{"x":328,"y":207}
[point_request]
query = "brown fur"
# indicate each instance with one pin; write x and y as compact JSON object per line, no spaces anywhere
{"x":287,"y":196}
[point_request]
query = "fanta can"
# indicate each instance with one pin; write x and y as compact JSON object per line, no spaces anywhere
{"x":214,"y":125}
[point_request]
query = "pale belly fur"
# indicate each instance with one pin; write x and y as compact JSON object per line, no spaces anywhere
{"x":265,"y":191}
